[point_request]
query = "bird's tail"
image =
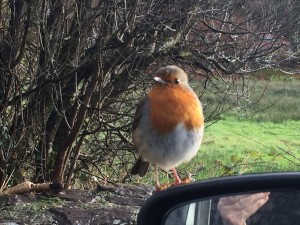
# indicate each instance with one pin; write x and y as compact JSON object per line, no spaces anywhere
{"x":140,"y":167}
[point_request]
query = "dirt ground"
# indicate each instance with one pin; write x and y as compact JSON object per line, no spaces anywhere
{"x":106,"y":205}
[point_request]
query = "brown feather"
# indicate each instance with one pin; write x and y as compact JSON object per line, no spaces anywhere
{"x":140,"y":167}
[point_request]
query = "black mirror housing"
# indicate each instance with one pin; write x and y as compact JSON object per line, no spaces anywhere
{"x":157,"y":207}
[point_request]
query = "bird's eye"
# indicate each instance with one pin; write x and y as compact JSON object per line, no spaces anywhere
{"x":176,"y":81}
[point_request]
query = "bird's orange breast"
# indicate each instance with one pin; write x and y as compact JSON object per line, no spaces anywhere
{"x":172,"y":105}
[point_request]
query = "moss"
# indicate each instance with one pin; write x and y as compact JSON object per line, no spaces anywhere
{"x":36,"y":211}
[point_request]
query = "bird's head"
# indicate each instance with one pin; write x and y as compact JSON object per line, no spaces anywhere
{"x":171,"y":75}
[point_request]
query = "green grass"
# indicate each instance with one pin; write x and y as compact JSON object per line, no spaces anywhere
{"x":234,"y":146}
{"x":258,"y":100}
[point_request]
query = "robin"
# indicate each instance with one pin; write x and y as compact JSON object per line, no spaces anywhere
{"x":168,"y":124}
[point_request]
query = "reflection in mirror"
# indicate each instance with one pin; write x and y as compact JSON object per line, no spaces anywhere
{"x":190,"y":214}
{"x":265,"y":208}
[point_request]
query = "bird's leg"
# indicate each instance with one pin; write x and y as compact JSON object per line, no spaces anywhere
{"x":168,"y":177}
{"x":157,"y":186}
{"x":177,"y":178}
{"x":177,"y":181}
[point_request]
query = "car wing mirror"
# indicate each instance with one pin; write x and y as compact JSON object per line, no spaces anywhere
{"x":271,"y":198}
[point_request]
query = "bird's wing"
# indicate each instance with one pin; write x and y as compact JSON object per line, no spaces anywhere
{"x":141,"y":166}
{"x":139,"y":113}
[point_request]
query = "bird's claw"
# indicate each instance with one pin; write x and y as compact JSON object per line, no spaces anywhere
{"x":162,"y":187}
{"x":188,"y":179}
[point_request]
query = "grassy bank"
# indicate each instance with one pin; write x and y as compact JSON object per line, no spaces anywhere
{"x":234,"y":146}
{"x":260,"y":131}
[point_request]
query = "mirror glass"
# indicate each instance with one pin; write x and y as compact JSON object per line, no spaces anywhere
{"x":264,"y":208}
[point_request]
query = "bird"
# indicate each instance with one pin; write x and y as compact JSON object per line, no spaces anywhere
{"x":168,"y":124}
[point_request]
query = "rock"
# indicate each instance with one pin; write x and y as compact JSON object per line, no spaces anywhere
{"x":108,"y":205}
{"x":95,"y":216}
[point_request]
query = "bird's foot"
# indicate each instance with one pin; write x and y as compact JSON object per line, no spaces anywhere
{"x":162,"y":187}
{"x":188,"y":179}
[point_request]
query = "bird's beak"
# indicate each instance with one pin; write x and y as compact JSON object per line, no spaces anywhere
{"x":159,"y":80}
